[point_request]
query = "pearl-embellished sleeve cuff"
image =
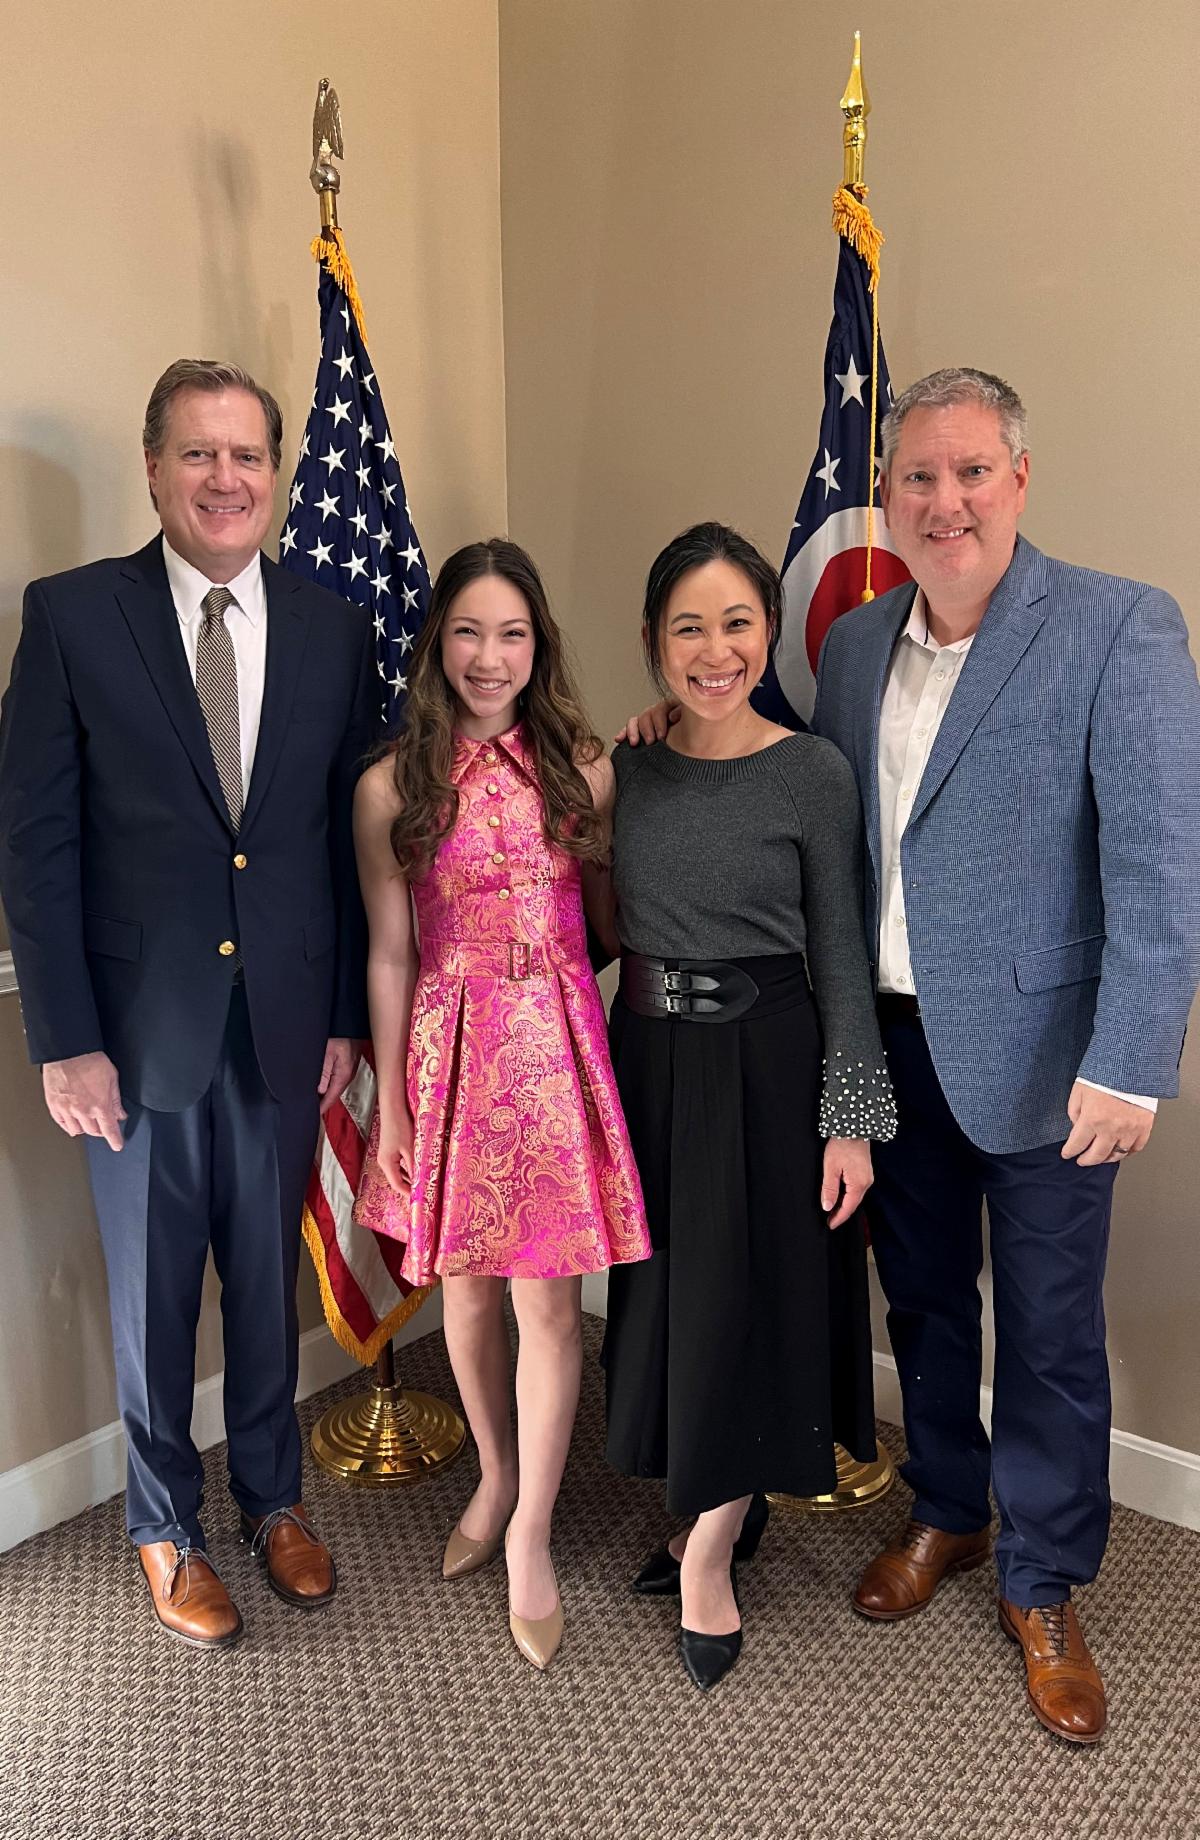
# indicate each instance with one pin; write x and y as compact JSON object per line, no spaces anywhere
{"x":856,"y":1100}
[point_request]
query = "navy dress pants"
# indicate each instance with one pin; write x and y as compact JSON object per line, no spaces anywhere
{"x":228,"y":1172}
{"x":1049,"y":1219}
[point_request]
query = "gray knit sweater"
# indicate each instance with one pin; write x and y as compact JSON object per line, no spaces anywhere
{"x":750,"y":858}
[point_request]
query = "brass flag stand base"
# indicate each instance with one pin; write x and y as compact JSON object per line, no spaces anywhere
{"x":389,"y":1435}
{"x":858,"y":1485}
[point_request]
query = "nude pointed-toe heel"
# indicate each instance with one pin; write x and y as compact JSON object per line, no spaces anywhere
{"x":463,"y":1556}
{"x":538,"y":1638}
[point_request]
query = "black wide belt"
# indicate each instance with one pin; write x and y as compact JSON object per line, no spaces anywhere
{"x":709,"y":989}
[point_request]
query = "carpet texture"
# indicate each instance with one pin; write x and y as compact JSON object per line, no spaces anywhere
{"x":405,"y":1711}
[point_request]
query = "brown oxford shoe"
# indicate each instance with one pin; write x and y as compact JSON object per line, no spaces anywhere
{"x":1065,"y":1688}
{"x":189,"y":1599}
{"x":300,"y":1567}
{"x":902,"y":1579}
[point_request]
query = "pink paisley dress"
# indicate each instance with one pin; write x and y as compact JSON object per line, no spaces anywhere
{"x":521,"y":1166}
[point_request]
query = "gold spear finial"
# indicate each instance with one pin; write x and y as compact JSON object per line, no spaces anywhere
{"x":325,"y":178}
{"x":855,"y":106}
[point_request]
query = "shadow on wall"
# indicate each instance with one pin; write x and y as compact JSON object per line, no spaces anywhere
{"x":239,"y":325}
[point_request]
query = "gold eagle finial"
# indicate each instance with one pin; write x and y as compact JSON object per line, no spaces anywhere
{"x":327,"y":146}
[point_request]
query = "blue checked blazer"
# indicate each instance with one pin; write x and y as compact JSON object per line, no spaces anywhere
{"x":1051,"y":864}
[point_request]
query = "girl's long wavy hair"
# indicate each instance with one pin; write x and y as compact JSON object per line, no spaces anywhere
{"x":557,"y":728}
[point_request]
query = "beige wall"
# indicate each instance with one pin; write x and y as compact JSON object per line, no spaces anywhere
{"x":164,"y":208}
{"x":667,"y":167}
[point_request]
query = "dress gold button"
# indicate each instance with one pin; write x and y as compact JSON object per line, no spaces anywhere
{"x":490,"y":759}
{"x":227,"y":948}
{"x":239,"y":861}
{"x":495,"y":823}
{"x":498,"y":856}
{"x":505,"y":894}
{"x":492,"y":787}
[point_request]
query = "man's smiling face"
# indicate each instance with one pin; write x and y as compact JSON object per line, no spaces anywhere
{"x":213,"y":482}
{"x":952,"y":498}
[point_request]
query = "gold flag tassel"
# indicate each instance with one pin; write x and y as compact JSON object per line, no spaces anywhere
{"x":330,"y":249}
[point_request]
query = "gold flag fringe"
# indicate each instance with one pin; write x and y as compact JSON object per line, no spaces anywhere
{"x":330,"y":249}
{"x":365,"y":1353}
{"x":852,"y":219}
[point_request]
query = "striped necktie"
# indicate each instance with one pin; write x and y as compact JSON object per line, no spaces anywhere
{"x":216,"y":686}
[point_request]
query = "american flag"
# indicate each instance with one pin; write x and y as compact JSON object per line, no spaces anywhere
{"x":825,"y":569}
{"x":350,"y":529}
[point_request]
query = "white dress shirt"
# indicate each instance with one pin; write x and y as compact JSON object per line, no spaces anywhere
{"x":920,"y":683}
{"x":246,"y":623}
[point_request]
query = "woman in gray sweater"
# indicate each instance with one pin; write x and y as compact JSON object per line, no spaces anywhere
{"x":750,"y":1069}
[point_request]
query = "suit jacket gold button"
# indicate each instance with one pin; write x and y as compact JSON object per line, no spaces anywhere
{"x":239,"y":861}
{"x":227,"y":948}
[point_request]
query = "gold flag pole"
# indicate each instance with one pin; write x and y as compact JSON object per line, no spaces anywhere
{"x":858,"y":1483}
{"x":390,"y":1434}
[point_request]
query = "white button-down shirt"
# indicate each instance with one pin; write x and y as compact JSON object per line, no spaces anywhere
{"x":246,"y":623}
{"x":920,"y":683}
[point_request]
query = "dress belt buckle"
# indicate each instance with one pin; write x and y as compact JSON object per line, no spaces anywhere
{"x":518,"y":958}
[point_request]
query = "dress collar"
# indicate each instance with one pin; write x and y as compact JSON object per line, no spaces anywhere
{"x":514,"y":742}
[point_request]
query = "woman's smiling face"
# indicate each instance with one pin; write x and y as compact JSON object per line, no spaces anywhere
{"x":713,"y":640}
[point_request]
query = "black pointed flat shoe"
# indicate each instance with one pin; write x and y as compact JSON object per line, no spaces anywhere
{"x":659,"y":1577}
{"x":707,"y":1659}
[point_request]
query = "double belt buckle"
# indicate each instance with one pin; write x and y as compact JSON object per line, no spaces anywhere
{"x":518,"y":958}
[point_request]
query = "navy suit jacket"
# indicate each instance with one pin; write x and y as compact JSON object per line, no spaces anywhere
{"x":1051,"y":862}
{"x":117,"y":857}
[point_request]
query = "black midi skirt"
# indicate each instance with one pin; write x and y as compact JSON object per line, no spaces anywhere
{"x":741,"y":1350}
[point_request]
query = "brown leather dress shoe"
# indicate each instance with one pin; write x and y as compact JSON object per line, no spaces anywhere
{"x":902,"y":1579}
{"x":300,"y":1567}
{"x":189,"y":1599}
{"x":1065,"y":1688}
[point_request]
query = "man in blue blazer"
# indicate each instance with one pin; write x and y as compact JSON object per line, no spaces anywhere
{"x":1026,"y":737}
{"x":178,"y":750}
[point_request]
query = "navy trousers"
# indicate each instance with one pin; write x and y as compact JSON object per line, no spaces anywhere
{"x":1049,"y":1219}
{"x":230,"y":1173}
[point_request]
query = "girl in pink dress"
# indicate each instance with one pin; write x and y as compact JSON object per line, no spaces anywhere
{"x":499,"y":1150}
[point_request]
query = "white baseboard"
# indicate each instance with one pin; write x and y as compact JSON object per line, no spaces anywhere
{"x":1153,"y":1478}
{"x":64,"y":1482}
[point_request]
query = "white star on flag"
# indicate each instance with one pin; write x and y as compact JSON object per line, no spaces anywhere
{"x":333,"y":458}
{"x":287,"y":541}
{"x":828,"y":473}
{"x":345,"y":364}
{"x":321,"y":553}
{"x":339,"y":410}
{"x":411,"y":555}
{"x":852,"y":384}
{"x":328,"y":507}
{"x":357,"y":566}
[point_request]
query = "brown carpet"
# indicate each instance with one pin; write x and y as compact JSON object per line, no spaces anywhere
{"x":404,"y":1709}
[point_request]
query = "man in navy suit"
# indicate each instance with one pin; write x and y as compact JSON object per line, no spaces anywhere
{"x":1026,"y":737}
{"x":178,"y":750}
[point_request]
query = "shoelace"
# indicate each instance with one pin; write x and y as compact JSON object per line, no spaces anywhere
{"x":276,"y":1519}
{"x":912,"y":1536}
{"x":183,"y":1562}
{"x":1054,"y":1622}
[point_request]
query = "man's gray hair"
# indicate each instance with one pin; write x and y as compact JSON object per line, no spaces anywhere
{"x":207,"y":374}
{"x":959,"y":384}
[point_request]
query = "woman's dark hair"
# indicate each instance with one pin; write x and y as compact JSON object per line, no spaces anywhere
{"x":557,"y":728}
{"x":706,"y":543}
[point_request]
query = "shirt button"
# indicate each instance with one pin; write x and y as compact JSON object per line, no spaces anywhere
{"x":498,"y":856}
{"x":905,"y":793}
{"x":921,"y":733}
{"x":902,"y":979}
{"x":227,"y":948}
{"x":899,"y":920}
{"x":490,"y":758}
{"x":505,"y":894}
{"x":495,"y":823}
{"x":938,"y":676}
{"x":492,"y":787}
{"x":239,"y":861}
